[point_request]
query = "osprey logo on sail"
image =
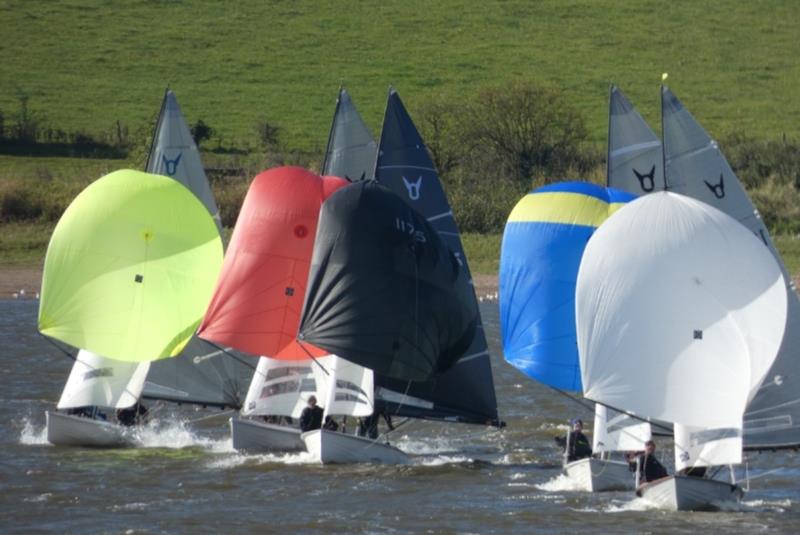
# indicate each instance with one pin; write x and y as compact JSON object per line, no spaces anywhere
{"x":717,"y":189}
{"x":171,"y":165}
{"x":646,"y":180}
{"x":413,"y":188}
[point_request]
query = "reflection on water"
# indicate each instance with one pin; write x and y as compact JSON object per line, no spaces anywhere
{"x":461,"y":478}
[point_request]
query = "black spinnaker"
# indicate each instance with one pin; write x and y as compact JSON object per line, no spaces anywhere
{"x":389,"y":296}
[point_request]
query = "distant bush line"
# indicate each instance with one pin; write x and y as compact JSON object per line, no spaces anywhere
{"x":490,"y":150}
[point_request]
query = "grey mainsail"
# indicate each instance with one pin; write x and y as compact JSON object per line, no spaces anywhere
{"x":635,"y":159}
{"x":465,"y":392}
{"x":697,"y":168}
{"x":174,"y":154}
{"x":351,"y":148}
{"x":201,"y":374}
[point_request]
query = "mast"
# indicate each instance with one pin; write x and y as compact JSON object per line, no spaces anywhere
{"x":151,"y":155}
{"x":331,"y":131}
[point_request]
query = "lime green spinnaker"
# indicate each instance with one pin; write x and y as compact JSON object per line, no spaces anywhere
{"x":130,"y":268}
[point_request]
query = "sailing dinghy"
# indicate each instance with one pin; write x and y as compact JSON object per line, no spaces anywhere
{"x":256,"y":305}
{"x":200,"y":375}
{"x":350,"y":393}
{"x":543,"y":243}
{"x":696,"y":167}
{"x":128,"y":271}
{"x":685,"y":336}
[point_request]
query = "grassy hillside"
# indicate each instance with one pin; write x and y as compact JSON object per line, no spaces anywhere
{"x":99,"y":68}
{"x":85,"y":65}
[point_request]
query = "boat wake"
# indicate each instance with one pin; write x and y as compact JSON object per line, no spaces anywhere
{"x":240,"y":459}
{"x":560,"y":483}
{"x":31,"y":435}
{"x":756,"y":506}
{"x":176,"y":434}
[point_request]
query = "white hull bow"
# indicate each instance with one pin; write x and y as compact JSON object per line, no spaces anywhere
{"x":68,"y":430}
{"x":599,"y":475}
{"x":684,"y":493}
{"x":330,"y":447}
{"x":251,"y":435}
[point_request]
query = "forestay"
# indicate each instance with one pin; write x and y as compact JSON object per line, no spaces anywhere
{"x":697,"y":168}
{"x":95,"y":381}
{"x":351,"y":148}
{"x":465,"y":392}
{"x":130,"y":268}
{"x":635,"y":160}
{"x":543,"y":243}
{"x":695,"y":321}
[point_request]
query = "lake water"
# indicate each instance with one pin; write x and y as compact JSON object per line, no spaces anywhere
{"x":463,"y":479}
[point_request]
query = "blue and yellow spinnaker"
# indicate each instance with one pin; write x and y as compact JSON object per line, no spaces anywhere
{"x":543,"y":243}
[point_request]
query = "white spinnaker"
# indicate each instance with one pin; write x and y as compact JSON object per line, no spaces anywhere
{"x":697,"y":446}
{"x":351,"y":389}
{"x":616,"y":431}
{"x":282,"y":387}
{"x":98,"y":381}
{"x":680,"y":311}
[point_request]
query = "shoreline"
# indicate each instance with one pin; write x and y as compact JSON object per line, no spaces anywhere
{"x":16,"y":278}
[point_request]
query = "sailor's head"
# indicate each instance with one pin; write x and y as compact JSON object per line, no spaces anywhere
{"x":577,"y":424}
{"x":650,"y":447}
{"x":312,"y":401}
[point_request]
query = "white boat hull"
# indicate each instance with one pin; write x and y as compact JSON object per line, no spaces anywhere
{"x":69,"y":430}
{"x":683,"y":493}
{"x":599,"y":475}
{"x":251,"y":435}
{"x":330,"y":447}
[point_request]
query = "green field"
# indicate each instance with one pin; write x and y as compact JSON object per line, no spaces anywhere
{"x":96,"y":67}
{"x":85,"y":65}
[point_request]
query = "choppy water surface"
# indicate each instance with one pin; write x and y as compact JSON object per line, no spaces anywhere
{"x":463,"y":478}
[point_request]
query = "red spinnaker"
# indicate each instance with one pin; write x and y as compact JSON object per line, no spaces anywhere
{"x":259,"y":295}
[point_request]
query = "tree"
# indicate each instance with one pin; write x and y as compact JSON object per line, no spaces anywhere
{"x":201,"y":132}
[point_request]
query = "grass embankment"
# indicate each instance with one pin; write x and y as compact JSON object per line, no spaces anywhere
{"x":86,"y":65}
{"x":99,"y":68}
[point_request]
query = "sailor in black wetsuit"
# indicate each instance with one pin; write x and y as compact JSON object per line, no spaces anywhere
{"x":579,"y":447}
{"x":649,"y":467}
{"x":132,"y":415}
{"x":311,"y":417}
